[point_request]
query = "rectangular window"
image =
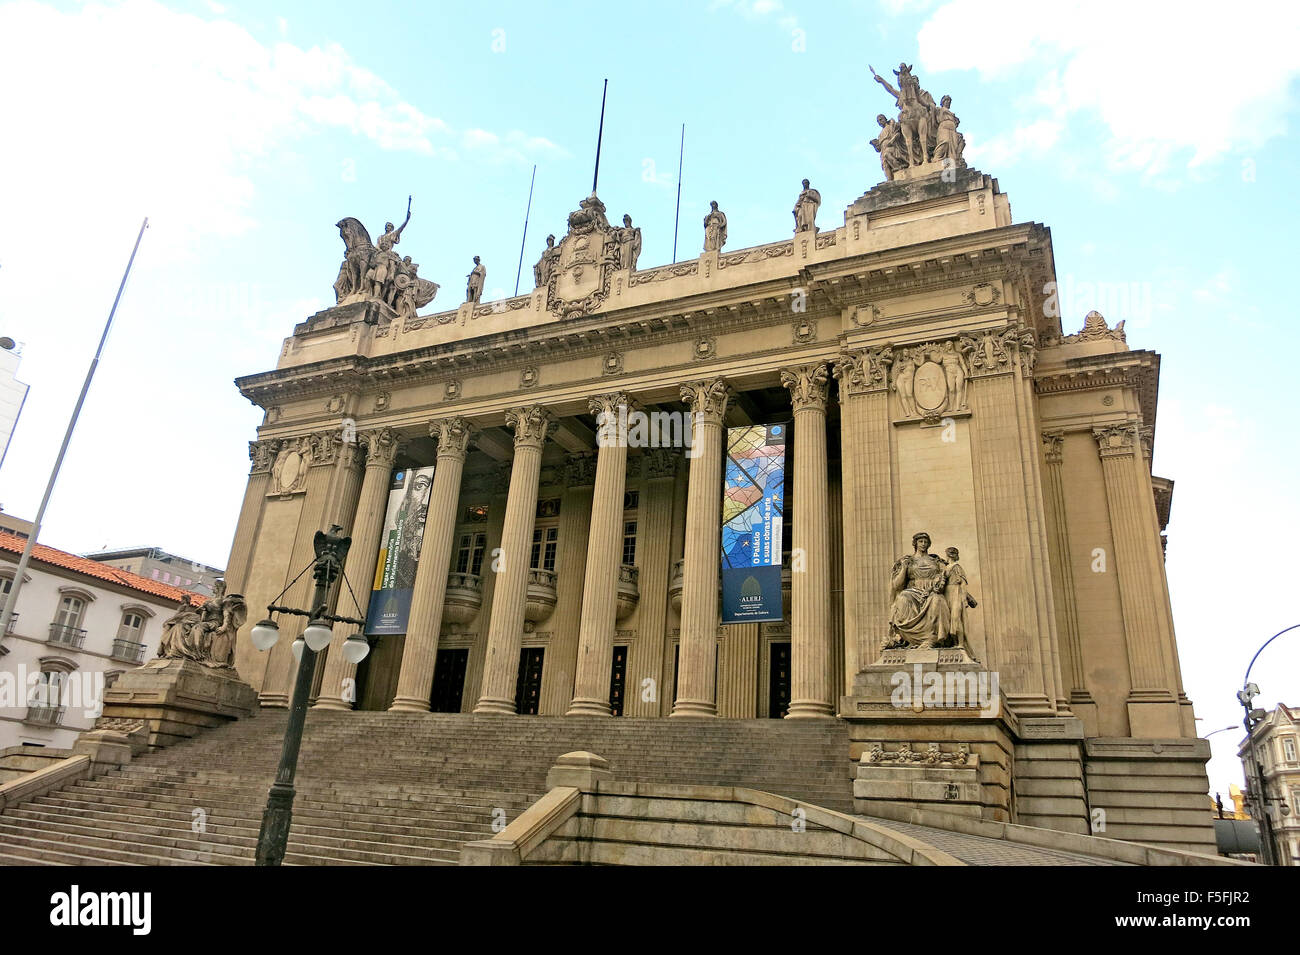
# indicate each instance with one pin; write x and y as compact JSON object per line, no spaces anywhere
{"x":629,"y":543}
{"x":1288,"y":749}
{"x":132,"y":625}
{"x":69,"y":614}
{"x":545,"y":542}
{"x":469,"y":558}
{"x":463,"y":554}
{"x":480,"y":548}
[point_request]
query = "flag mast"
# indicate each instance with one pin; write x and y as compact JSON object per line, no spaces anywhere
{"x":677,"y":213}
{"x":600,"y":133}
{"x":7,"y":615}
{"x":524,"y":240}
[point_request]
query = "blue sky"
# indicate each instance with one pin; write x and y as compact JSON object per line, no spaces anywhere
{"x":1157,"y":141}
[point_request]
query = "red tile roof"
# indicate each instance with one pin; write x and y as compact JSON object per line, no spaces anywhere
{"x":93,"y":568}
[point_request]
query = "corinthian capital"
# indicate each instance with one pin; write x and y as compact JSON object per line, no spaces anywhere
{"x":707,"y":398}
{"x":381,"y":446}
{"x":262,"y":454}
{"x":531,"y":425}
{"x":452,"y":434}
{"x":807,"y":386}
{"x":1052,"y":444}
{"x":1117,"y":440}
{"x":864,"y":370}
{"x":607,"y":404}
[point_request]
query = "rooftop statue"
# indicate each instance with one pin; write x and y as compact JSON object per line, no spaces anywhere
{"x":923,"y":133}
{"x":629,"y":244}
{"x":715,"y":229}
{"x":374,"y":272}
{"x":546,"y":264}
{"x":805,"y":209}
{"x":474,"y":281}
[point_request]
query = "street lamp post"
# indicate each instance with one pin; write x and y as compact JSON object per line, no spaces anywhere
{"x":331,"y":549}
{"x":1259,"y":793}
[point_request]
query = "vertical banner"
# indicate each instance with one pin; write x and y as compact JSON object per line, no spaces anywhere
{"x":753,"y":505}
{"x":399,"y":551}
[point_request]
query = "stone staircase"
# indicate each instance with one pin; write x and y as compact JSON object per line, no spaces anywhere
{"x":389,"y":788}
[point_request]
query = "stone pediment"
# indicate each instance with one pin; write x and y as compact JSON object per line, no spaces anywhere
{"x":588,"y":258}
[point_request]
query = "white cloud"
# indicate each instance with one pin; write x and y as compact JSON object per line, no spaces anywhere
{"x":1174,"y":88}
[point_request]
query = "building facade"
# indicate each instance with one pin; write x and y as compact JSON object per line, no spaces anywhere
{"x":157,"y":564}
{"x":916,"y":351}
{"x":1275,"y":743}
{"x":76,"y":627}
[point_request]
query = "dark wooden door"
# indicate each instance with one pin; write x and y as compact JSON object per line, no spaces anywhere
{"x":778,"y":681}
{"x":528,"y":690}
{"x":449,"y":680}
{"x":617,"y":678}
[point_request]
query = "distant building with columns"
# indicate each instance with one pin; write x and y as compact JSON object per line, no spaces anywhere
{"x":915,"y":349}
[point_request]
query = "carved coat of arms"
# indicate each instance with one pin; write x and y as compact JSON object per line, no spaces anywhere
{"x":588,"y":258}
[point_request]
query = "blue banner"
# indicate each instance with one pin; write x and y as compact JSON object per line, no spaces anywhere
{"x":753,"y":508}
{"x":399,"y":551}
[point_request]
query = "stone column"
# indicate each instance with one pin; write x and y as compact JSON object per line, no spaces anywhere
{"x":338,"y":684}
{"x":699,"y":637}
{"x":344,"y":494}
{"x":1154,"y":683}
{"x":420,"y":651}
{"x":604,"y":557}
{"x":653,"y":549}
{"x":868,"y":502}
{"x":1067,"y":602}
{"x":505,"y":631}
{"x":810,"y":578}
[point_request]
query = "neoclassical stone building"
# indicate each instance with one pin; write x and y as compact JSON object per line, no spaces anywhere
{"x":917,"y":351}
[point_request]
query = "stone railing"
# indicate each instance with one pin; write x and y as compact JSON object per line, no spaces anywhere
{"x":42,"y":715}
{"x":464,"y":598}
{"x":541,"y":596}
{"x":629,"y":590}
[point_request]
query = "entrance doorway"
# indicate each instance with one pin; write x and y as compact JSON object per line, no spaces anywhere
{"x":778,"y":681}
{"x":528,"y":690}
{"x":449,"y":680}
{"x":617,"y":677}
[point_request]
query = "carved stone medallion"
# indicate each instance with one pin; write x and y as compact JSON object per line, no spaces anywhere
{"x":930,"y":388}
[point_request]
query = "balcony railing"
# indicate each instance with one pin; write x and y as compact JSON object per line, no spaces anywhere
{"x":66,"y":636}
{"x":128,"y":651}
{"x":13,"y":620}
{"x":38,"y":715}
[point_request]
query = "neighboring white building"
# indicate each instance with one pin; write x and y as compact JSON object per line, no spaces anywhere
{"x":12,"y":393}
{"x":77,"y":625}
{"x":1277,"y":744}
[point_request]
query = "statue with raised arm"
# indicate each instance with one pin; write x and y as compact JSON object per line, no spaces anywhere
{"x":715,"y":228}
{"x":805,"y":209}
{"x":385,"y":263}
{"x":914,"y":107}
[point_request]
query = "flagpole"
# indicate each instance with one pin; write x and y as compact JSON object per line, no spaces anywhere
{"x":677,"y":214}
{"x":599,"y":135}
{"x":524,"y":240}
{"x":7,"y":616}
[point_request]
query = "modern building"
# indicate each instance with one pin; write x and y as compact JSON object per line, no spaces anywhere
{"x":14,"y":525}
{"x":912,"y":381}
{"x":159,"y":565}
{"x":1275,"y":744}
{"x":13,"y":393}
{"x":77,"y":625}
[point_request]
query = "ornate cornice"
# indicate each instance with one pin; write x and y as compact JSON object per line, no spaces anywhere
{"x":530,"y":424}
{"x":807,"y":386}
{"x":861,"y":371}
{"x":452,"y":434}
{"x":707,"y":398}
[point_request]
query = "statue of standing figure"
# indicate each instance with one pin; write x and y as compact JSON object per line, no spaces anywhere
{"x":805,"y":209}
{"x":948,"y":143}
{"x":477,"y":277}
{"x":893,"y":152}
{"x":545,"y":266}
{"x":715,"y":228}
{"x":629,"y":244}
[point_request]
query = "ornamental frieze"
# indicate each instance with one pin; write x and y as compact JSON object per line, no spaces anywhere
{"x":863,"y":370}
{"x":999,"y":351}
{"x":930,"y":380}
{"x":263,"y":455}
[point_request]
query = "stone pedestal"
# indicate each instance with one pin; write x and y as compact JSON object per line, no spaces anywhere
{"x":931,"y":728}
{"x":178,"y":698}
